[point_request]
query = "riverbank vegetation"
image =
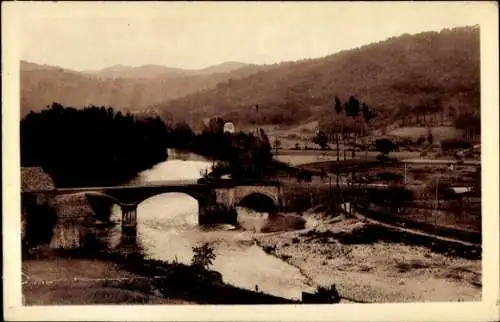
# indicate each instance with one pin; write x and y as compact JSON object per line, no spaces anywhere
{"x":96,"y":146}
{"x":90,"y":146}
{"x":136,"y":279}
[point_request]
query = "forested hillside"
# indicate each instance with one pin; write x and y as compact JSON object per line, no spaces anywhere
{"x":411,"y":73}
{"x":124,"y":88}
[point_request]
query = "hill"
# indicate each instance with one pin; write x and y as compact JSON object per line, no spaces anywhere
{"x":405,"y":73}
{"x":144,"y":71}
{"x":122,"y":87}
{"x":151,"y":71}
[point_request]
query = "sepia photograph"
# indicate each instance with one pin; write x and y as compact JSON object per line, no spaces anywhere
{"x":198,"y":154}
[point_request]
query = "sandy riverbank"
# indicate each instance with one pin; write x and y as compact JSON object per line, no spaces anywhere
{"x":364,"y":268}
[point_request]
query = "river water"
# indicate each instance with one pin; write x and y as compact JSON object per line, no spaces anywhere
{"x":168,"y":230}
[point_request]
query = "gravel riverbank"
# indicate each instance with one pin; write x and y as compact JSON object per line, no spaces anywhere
{"x":368,"y":266}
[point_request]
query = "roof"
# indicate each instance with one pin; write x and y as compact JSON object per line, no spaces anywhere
{"x":34,"y":178}
{"x":459,"y":190}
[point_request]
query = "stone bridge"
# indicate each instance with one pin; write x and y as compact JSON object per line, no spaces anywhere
{"x":257,"y":194}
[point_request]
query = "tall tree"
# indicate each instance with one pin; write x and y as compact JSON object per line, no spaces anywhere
{"x":367,"y":116}
{"x":277,"y":145}
{"x":338,"y":105}
{"x":430,"y":137}
{"x":353,"y":105}
{"x":353,"y":111}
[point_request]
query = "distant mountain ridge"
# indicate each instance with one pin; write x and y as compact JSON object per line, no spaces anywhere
{"x":122,"y":87}
{"x":150,"y":70}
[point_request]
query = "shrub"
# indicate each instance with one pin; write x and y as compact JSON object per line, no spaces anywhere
{"x":385,"y":146}
{"x":204,"y":256}
{"x":383,"y":158}
{"x":389,"y":176}
{"x":321,"y":139}
{"x":322,"y":295}
{"x":304,"y":175}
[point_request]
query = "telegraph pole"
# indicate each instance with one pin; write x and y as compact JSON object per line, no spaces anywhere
{"x":337,"y":194}
{"x":405,"y":174}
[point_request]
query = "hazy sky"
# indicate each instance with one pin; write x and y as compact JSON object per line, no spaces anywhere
{"x":195,"y":35}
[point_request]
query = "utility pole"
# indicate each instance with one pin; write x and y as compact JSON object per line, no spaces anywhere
{"x":337,"y":174}
{"x":405,"y":174}
{"x":437,"y":204}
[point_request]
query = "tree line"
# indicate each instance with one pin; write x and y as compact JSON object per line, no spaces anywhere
{"x":98,"y":146}
{"x":243,"y":155}
{"x":351,"y":120}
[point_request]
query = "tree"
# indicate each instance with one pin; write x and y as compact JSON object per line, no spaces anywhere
{"x":203,"y":257}
{"x":91,"y":146}
{"x":277,"y":144}
{"x":430,"y":137}
{"x":470,"y":123}
{"x":182,"y":135}
{"x":352,"y":110}
{"x":367,"y":116}
{"x":353,"y":107}
{"x":216,"y":125}
{"x":367,"y":113}
{"x":321,"y":139}
{"x":338,"y":105}
{"x":384,"y":146}
{"x":347,"y":108}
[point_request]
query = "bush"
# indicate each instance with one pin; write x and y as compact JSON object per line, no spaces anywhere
{"x":390,"y":176}
{"x":383,"y":158}
{"x":203,"y":257}
{"x":304,"y":175}
{"x":322,"y":295}
{"x":385,"y":146}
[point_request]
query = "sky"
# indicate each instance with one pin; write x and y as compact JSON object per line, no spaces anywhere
{"x":90,"y":36}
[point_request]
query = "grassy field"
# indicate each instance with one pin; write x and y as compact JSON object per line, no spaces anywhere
{"x":420,"y":178}
{"x":414,"y":132}
{"x":303,"y":157}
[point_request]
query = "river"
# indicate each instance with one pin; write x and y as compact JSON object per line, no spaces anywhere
{"x":168,"y":230}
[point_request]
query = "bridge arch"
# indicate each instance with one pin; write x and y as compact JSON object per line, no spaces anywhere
{"x":130,"y":205}
{"x":200,"y":198}
{"x":259,"y":201}
{"x":179,"y":209}
{"x":103,"y":195}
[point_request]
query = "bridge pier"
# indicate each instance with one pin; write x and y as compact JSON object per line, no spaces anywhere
{"x":129,"y":224}
{"x":202,"y":213}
